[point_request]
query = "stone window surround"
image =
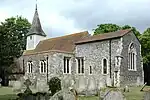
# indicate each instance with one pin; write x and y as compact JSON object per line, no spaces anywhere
{"x":29,"y":67}
{"x":44,"y":67}
{"x":103,"y":66}
{"x":132,"y":56}
{"x":67,"y":65}
{"x":82,"y":69}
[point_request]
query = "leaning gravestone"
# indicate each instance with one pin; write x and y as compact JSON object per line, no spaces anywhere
{"x":147,"y":96}
{"x":65,"y":94}
{"x":113,"y":95}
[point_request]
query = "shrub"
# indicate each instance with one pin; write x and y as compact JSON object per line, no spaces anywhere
{"x":54,"y":85}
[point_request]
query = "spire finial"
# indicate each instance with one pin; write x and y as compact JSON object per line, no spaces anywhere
{"x":36,"y":5}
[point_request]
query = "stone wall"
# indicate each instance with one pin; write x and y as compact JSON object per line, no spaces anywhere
{"x":131,"y":77}
{"x":93,"y":54}
{"x":55,"y":66}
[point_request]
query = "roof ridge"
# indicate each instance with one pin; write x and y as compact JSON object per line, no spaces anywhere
{"x":105,"y":36}
{"x":65,"y":35}
{"x":113,"y":32}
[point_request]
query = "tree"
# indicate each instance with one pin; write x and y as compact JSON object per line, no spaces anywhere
{"x":12,"y":40}
{"x":54,"y":85}
{"x":105,"y":28}
{"x":137,"y":33}
{"x":145,"y":45}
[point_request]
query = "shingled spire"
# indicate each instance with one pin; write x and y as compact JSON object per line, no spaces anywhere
{"x":36,"y":28}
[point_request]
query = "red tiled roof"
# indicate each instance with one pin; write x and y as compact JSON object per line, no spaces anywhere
{"x":63,"y":43}
{"x":104,"y":36}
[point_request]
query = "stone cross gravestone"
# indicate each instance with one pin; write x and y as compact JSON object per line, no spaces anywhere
{"x":27,"y":83}
{"x":114,"y":95}
{"x":147,"y":95}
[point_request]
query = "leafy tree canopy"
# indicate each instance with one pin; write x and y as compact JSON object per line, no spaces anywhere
{"x":137,"y":33}
{"x":12,"y":39}
{"x":145,"y":45}
{"x":105,"y":28}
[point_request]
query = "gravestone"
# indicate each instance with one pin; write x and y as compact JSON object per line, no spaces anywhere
{"x":67,"y":82}
{"x":27,"y":83}
{"x":114,"y":95}
{"x":108,"y":81}
{"x":82,"y":85}
{"x":0,"y":82}
{"x":139,"y":81}
{"x":126,"y":89}
{"x":42,"y":86}
{"x":102,"y":83}
{"x":91,"y":88}
{"x":65,"y":94}
{"x":147,"y":95}
{"x":17,"y":86}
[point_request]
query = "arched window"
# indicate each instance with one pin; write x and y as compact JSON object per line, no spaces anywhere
{"x":43,"y":66}
{"x":80,"y":65}
{"x":67,"y":67}
{"x":30,"y":65}
{"x":104,"y":66}
{"x":132,"y":57}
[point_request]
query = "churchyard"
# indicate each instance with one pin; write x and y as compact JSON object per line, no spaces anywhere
{"x":8,"y":93}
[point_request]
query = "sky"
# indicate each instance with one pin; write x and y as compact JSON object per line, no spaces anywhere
{"x":62,"y":17}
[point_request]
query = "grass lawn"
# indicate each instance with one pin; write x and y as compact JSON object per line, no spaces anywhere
{"x":6,"y":93}
{"x":134,"y":94}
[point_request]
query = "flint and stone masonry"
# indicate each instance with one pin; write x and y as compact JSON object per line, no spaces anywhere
{"x":84,"y":62}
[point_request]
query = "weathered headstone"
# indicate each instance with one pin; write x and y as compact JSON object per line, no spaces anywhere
{"x":147,"y":95}
{"x":42,"y":86}
{"x":102,"y":83}
{"x":17,"y":86}
{"x":67,"y":82}
{"x":114,"y":95}
{"x":91,"y":89}
{"x":108,"y":81}
{"x":126,"y":89}
{"x":0,"y":81}
{"x":81,"y":85}
{"x":65,"y":94}
{"x":140,"y":81}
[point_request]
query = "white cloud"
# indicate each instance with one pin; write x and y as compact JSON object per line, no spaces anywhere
{"x":59,"y":17}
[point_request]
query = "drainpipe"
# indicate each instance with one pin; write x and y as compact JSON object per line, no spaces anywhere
{"x":110,"y":56}
{"x":47,"y":68}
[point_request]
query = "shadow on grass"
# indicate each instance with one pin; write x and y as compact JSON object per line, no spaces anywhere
{"x":8,"y":97}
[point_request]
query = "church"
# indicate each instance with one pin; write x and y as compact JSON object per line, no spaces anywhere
{"x":87,"y":62}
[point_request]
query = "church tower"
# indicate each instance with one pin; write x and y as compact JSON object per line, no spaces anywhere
{"x":36,"y":33}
